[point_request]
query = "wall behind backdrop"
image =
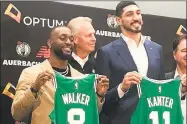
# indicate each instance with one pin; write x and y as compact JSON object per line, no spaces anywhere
{"x":25,"y":28}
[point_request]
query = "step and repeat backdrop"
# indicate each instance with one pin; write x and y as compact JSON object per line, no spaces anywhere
{"x":25,"y":28}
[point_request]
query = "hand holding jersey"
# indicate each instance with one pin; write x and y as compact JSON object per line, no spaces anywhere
{"x":101,"y":89}
{"x":129,"y":79}
{"x":135,"y":78}
{"x":42,"y":78}
{"x":102,"y":85}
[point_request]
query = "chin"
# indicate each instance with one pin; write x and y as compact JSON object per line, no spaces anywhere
{"x":64,"y":56}
{"x":67,"y":57}
{"x":136,"y":31}
{"x":91,"y":50}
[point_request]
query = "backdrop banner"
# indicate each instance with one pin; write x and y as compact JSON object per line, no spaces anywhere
{"x":25,"y":29}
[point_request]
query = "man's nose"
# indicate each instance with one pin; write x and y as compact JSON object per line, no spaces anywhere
{"x":135,"y":17}
{"x":93,"y":37}
{"x":68,"y":41}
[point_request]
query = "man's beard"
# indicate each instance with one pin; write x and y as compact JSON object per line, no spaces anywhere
{"x":128,"y":28}
{"x":61,"y":55}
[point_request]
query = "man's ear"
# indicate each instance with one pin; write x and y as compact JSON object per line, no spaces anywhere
{"x":174,"y":55}
{"x":118,"y":20}
{"x":75,"y":40}
{"x":49,"y":42}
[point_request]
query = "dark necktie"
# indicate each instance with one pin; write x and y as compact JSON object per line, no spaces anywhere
{"x":183,"y":97}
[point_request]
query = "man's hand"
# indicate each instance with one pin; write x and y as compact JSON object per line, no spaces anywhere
{"x":183,"y":80}
{"x":184,"y":83}
{"x":42,"y":78}
{"x":129,"y":79}
{"x":102,"y":85}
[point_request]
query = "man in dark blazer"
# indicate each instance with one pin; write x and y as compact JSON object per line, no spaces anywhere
{"x":179,"y":54}
{"x":125,"y":61}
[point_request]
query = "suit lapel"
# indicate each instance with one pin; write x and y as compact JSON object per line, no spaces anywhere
{"x":172,"y":74}
{"x":123,"y":51}
{"x":149,"y":52}
{"x":47,"y":66}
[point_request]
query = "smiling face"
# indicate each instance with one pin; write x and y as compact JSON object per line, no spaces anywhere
{"x":85,"y":39}
{"x":131,"y":19}
{"x":180,"y":53}
{"x":61,"y":43}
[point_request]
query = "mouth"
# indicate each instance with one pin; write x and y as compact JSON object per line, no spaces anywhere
{"x":66,"y":49}
{"x":93,"y":45}
{"x":136,"y":24}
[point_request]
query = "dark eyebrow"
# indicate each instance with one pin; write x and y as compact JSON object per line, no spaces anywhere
{"x":64,"y":35}
{"x":129,"y":12}
{"x":184,"y":49}
{"x":133,"y":11}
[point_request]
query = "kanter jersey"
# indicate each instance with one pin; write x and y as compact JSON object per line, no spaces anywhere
{"x":75,"y":100}
{"x":159,"y":102}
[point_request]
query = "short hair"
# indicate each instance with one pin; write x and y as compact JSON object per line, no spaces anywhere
{"x":121,"y":5}
{"x":74,"y":23}
{"x":178,"y":40}
{"x":52,"y":30}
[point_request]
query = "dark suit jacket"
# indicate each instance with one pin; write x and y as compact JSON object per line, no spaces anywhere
{"x":114,"y":60}
{"x":170,"y":75}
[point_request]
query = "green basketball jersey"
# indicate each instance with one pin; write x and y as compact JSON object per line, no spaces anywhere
{"x":159,"y":102}
{"x":75,"y":100}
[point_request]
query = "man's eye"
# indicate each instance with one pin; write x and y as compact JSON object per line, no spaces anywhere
{"x":62,"y":38}
{"x":129,"y":14}
{"x":71,"y":38}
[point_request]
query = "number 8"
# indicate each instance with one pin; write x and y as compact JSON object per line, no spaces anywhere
{"x":76,"y":111}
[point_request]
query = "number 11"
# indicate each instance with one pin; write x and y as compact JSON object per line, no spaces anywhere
{"x":154,"y":116}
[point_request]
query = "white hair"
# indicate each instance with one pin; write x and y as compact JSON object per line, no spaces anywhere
{"x":75,"y":23}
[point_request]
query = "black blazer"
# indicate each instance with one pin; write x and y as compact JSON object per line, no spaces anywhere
{"x":170,"y":75}
{"x":114,"y":60}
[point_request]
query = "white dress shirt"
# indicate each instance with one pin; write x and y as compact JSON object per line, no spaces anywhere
{"x":176,"y":74}
{"x":80,"y":60}
{"x":139,"y":56}
{"x":183,"y":102}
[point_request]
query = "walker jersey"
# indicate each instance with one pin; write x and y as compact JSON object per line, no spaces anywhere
{"x":159,"y":102}
{"x":75,"y":100}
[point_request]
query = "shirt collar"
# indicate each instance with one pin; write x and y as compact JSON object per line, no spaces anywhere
{"x":128,"y":40}
{"x":176,"y":73}
{"x":78,"y":59}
